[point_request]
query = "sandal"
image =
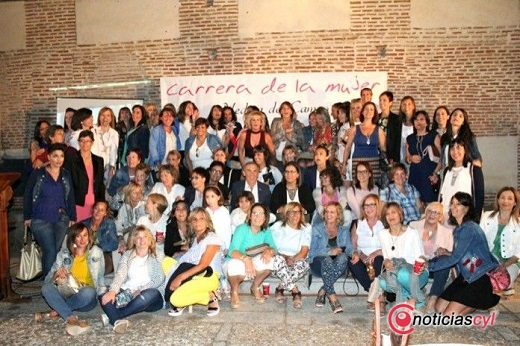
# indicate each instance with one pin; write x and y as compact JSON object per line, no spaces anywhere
{"x":234,"y":300}
{"x":255,"y":292}
{"x":335,"y":305}
{"x":297,"y":299}
{"x":213,"y":310}
{"x":46,"y":316}
{"x":320,"y":299}
{"x":279,"y":295}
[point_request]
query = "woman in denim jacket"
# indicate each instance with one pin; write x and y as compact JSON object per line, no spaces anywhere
{"x":472,"y":288}
{"x":329,"y":251}
{"x":163,"y":138}
{"x":138,"y":277}
{"x":85,"y":262}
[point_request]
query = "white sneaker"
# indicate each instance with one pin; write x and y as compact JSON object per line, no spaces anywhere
{"x":105,"y":320}
{"x":120,"y":326}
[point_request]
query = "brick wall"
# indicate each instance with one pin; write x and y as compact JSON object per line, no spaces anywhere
{"x":475,"y":68}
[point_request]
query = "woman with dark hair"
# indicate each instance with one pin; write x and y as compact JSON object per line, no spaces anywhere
{"x":122,"y":127}
{"x":83,"y":260}
{"x":331,"y":190}
{"x":309,"y":132}
{"x":126,"y":173}
{"x":423,"y":149}
{"x":216,"y":124}
{"x":458,"y":127}
{"x":329,"y":252}
{"x":501,"y":228}
{"x":138,"y":135}
{"x":38,"y":143}
{"x":185,"y":115}
{"x":163,"y":138}
{"x":178,"y":232}
{"x":286,"y":129}
{"x":239,"y":266}
{"x":67,"y":123}
{"x":82,"y":120}
{"x":48,"y":204}
{"x":268,"y":174}
{"x":194,"y":278}
{"x":462,"y":175}
{"x":291,"y":190}
{"x":339,"y":130}
{"x":199,"y":147}
{"x":233,"y":128}
{"x":55,"y":134}
{"x":472,"y":289}
{"x":369,"y":140}
{"x":440,"y":119}
{"x":194,"y":194}
{"x":86,"y":170}
{"x":362,"y":187}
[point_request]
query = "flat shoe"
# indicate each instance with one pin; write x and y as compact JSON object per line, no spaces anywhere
{"x":280,"y":299}
{"x":320,"y":299}
{"x":45,"y":316}
{"x":297,"y":300}
{"x":120,"y":326}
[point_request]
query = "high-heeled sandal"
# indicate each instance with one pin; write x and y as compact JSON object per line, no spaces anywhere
{"x":45,"y":316}
{"x":234,"y":300}
{"x":175,"y":311}
{"x":212,"y":310}
{"x":255,"y":292}
{"x":297,"y":299}
{"x":279,"y":295}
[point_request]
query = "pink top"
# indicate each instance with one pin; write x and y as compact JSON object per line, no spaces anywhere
{"x":85,"y":211}
{"x":442,"y":238}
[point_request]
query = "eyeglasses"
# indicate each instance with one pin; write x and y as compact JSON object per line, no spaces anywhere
{"x":258,"y":213}
{"x":369,"y":205}
{"x":434,"y":212}
{"x":197,"y":152}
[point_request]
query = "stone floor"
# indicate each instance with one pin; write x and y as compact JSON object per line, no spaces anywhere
{"x":252,"y":324}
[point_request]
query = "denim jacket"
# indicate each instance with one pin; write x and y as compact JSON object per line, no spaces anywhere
{"x":33,"y":189}
{"x":95,"y":262}
{"x":213,"y":142}
{"x":106,"y":235}
{"x":470,"y":253}
{"x":320,"y":240}
{"x":155,"y":272}
{"x":158,"y":144}
{"x":120,"y":179}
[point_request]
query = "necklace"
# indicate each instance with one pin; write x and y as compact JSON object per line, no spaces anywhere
{"x":292,"y":193}
{"x":394,"y":239}
{"x":455,"y":173}
{"x":419,"y":146}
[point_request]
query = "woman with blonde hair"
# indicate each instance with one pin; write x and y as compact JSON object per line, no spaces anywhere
{"x":292,"y":238}
{"x":255,"y":135}
{"x":106,"y":141}
{"x":136,"y":283}
{"x":501,"y":228}
{"x":195,"y":277}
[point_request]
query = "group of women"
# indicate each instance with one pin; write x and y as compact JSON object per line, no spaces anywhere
{"x":327,"y":185}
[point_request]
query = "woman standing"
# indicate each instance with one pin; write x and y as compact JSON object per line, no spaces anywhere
{"x":253,"y":136}
{"x":86,"y":170}
{"x":103,"y":231}
{"x":48,"y":206}
{"x":368,"y":140}
{"x":233,"y":128}
{"x":81,"y":121}
{"x":199,"y":147}
{"x":122,"y":127}
{"x":106,"y":142}
{"x":292,"y":238}
{"x":202,"y":260}
{"x":290,"y":190}
{"x":178,"y":233}
{"x":38,"y":143}
{"x":440,"y":120}
{"x":163,"y":139}
{"x":423,"y":149}
{"x":462,"y":176}
{"x":84,"y":261}
{"x":286,"y":129}
{"x":367,"y":257}
{"x":339,"y":130}
{"x":138,"y":136}
{"x":362,"y":187}
{"x":501,"y":227}
{"x":217,"y":126}
{"x":472,"y":288}
{"x":239,"y":266}
{"x":323,"y":133}
{"x":138,"y":278}
{"x":329,"y":251}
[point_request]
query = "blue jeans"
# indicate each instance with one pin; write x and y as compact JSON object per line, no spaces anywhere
{"x":404,"y":277}
{"x":149,"y":300}
{"x":50,"y":237}
{"x":359,"y":271}
{"x":84,"y":300}
{"x":330,"y":270}
{"x":440,"y":278}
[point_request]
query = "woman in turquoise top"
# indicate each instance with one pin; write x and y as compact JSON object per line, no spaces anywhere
{"x":239,"y":266}
{"x":502,"y":229}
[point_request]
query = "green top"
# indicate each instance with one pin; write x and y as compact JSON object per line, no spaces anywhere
{"x":243,"y":238}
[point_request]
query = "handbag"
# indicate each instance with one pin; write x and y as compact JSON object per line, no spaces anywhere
{"x":68,"y":286}
{"x":30,"y":259}
{"x":257,"y":249}
{"x":500,"y":279}
{"x":123,"y":298}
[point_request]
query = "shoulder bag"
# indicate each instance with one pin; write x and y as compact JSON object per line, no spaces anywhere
{"x":30,"y":259}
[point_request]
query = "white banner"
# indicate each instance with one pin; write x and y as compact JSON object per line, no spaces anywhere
{"x":306,"y":91}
